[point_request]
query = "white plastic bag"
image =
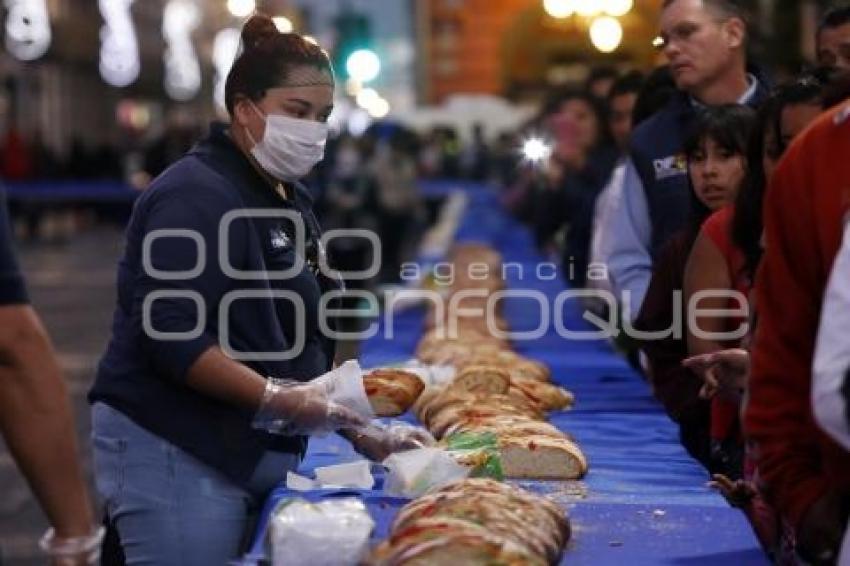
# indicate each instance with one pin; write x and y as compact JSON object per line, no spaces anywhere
{"x":414,"y":472}
{"x":334,"y":532}
{"x":346,"y":388}
{"x":351,"y":474}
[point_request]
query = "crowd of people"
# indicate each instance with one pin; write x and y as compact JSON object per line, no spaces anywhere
{"x":703,"y":193}
{"x":701,"y":189}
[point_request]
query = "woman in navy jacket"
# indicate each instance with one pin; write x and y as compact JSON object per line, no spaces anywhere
{"x":220,"y":287}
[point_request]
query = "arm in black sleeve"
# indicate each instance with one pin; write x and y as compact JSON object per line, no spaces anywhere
{"x":181,"y":305}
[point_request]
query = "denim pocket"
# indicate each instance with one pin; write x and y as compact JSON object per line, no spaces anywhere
{"x":108,"y":456}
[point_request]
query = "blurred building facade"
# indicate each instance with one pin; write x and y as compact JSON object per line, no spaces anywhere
{"x":429,"y":50}
{"x":514,"y":48}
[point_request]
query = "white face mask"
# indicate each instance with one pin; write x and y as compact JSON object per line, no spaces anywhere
{"x":290,"y":146}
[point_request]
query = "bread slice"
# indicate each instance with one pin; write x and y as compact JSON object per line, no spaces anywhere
{"x":427,"y":395}
{"x":524,"y":367}
{"x":441,"y":421}
{"x":542,"y":457}
{"x":445,"y":540}
{"x":525,"y":524}
{"x":513,"y":495}
{"x":442,"y":400}
{"x":482,"y":379}
{"x":391,"y":392}
{"x":518,"y":428}
{"x":550,"y":397}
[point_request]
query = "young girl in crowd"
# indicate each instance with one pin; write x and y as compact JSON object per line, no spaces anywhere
{"x":725,"y":256}
{"x":716,"y":157}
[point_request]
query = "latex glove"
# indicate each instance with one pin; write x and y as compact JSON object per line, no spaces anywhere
{"x":376,"y":441}
{"x":291,"y":408}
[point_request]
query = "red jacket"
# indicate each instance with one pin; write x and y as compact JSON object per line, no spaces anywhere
{"x":805,"y":206}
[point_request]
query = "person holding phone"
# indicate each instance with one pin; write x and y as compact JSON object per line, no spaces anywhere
{"x":576,"y":171}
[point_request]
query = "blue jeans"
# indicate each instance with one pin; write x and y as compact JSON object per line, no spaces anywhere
{"x":169,"y":508}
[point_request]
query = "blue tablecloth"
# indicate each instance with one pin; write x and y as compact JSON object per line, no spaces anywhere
{"x":644,"y":500}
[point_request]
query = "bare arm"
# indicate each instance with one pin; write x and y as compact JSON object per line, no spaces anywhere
{"x":223,"y":378}
{"x":706,"y":270}
{"x":37,"y":423}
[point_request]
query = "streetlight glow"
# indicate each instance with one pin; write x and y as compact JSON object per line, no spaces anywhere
{"x":617,"y":8}
{"x":559,"y":8}
{"x":535,"y":150}
{"x":588,"y":8}
{"x":606,"y":33}
{"x":283,"y":24}
{"x":379,"y":108}
{"x":363,"y":65}
{"x":241,"y":8}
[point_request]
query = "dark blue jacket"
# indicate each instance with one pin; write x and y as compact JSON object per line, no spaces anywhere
{"x":144,"y":375}
{"x":657,"y":150}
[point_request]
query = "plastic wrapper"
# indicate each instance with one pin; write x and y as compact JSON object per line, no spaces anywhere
{"x":398,"y":436}
{"x":351,"y":474}
{"x":412,"y":473}
{"x":346,"y":388}
{"x":333,"y":532}
{"x":327,"y":403}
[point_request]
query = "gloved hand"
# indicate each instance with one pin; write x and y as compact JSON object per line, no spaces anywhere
{"x":291,"y":408}
{"x":376,"y":441}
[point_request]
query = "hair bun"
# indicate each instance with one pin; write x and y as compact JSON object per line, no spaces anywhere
{"x":257,"y":29}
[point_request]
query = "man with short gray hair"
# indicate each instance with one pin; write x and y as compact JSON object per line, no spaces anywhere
{"x":705,"y":44}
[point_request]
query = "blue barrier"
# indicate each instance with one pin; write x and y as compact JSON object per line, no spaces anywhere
{"x":70,"y":191}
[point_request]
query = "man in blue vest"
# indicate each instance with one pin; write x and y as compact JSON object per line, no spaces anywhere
{"x":705,"y":44}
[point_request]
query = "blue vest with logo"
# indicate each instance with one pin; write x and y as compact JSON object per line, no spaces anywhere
{"x":657,"y":150}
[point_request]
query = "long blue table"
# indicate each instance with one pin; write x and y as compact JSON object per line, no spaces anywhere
{"x":644,"y":500}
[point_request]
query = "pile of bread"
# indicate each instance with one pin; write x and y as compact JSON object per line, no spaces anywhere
{"x":473,"y":522}
{"x":494,"y":390}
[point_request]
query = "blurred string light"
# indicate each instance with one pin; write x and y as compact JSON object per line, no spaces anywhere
{"x":535,"y":150}
{"x":27,"y":28}
{"x":358,"y":122}
{"x":241,"y":8}
{"x":367,"y":96}
{"x":379,"y":108}
{"x":119,"y":49}
{"x":617,"y":8}
{"x":372,"y":102}
{"x":225,"y":47}
{"x":182,"y":70}
{"x":588,"y":8}
{"x":559,"y":8}
{"x":133,"y":115}
{"x":283,"y":24}
{"x":353,"y":87}
{"x":363,"y":65}
{"x":606,"y":33}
